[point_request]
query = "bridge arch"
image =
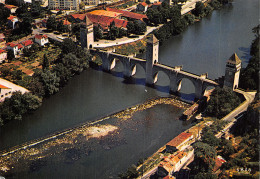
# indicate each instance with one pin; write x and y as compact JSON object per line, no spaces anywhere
{"x":156,"y":75}
{"x":134,"y":67}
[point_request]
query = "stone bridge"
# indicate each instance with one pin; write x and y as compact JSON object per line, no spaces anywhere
{"x":152,"y":68}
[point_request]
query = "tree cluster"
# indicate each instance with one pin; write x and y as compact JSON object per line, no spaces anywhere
{"x":222,"y":101}
{"x":137,"y":27}
{"x":17,"y":105}
{"x":54,"y":25}
{"x":115,"y":32}
{"x":73,"y":60}
{"x":202,"y":10}
{"x":4,"y":14}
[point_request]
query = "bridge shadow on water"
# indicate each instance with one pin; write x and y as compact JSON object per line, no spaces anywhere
{"x":141,"y":81}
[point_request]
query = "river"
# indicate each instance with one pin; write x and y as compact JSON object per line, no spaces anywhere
{"x":203,"y":47}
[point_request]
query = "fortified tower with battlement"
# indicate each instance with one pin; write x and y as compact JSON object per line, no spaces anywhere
{"x":232,"y":73}
{"x":87,"y":34}
{"x":152,"y":54}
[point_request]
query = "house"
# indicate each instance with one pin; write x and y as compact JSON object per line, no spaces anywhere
{"x":174,"y":162}
{"x":2,"y":40}
{"x":106,"y":13}
{"x":142,"y":7}
{"x":179,"y":143}
{"x":156,"y":5}
{"x":16,"y":48}
{"x":12,"y":20}
{"x":27,"y":43}
{"x":67,"y":23}
{"x":4,"y":92}
{"x":3,"y":55}
{"x":129,"y":15}
{"x":12,"y":8}
{"x":219,"y":161}
{"x":77,"y":18}
{"x":104,"y":21}
{"x":41,"y":39}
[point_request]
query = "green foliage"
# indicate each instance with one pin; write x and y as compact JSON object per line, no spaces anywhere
{"x":113,"y":31}
{"x":4,"y":14}
{"x":97,"y":33}
{"x":45,"y":63}
{"x":222,"y":101}
{"x":190,"y":18}
{"x":154,"y":16}
{"x":52,"y":23}
{"x":199,"y":9}
{"x":207,"y":175}
{"x":209,"y":137}
{"x":130,"y":173}
{"x":204,"y":157}
{"x":130,"y":27}
{"x":140,"y":27}
{"x":10,"y":55}
{"x":215,"y":4}
{"x":68,"y":46}
{"x":17,"y":105}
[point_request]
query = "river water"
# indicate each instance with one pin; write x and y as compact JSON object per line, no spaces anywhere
{"x":203,"y":47}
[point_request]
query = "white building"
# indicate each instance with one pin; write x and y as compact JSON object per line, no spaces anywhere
{"x":16,"y":48}
{"x":41,"y":39}
{"x":3,"y":55}
{"x":64,"y":4}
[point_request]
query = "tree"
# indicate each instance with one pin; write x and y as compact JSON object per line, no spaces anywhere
{"x":130,"y":27}
{"x":45,"y":63}
{"x":140,"y":27}
{"x":121,"y":32}
{"x":61,"y":27}
{"x":51,"y":23}
{"x":97,"y":33}
{"x":68,"y":46}
{"x":207,"y":175}
{"x":154,"y":16}
{"x":222,"y":101}
{"x":82,"y":5}
{"x":113,"y":31}
{"x":204,"y":156}
{"x":4,"y":14}
{"x":10,"y":55}
{"x":59,"y":13}
{"x":50,"y":82}
{"x":209,"y":137}
{"x":199,"y":9}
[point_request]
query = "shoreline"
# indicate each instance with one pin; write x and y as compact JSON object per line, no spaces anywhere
{"x":119,"y":114}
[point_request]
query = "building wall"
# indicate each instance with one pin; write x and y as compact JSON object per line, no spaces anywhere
{"x":64,"y":4}
{"x":5,"y":93}
{"x":3,"y":56}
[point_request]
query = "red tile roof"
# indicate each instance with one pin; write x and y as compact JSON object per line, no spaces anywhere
{"x":17,"y":63}
{"x":143,"y":4}
{"x":79,"y":16}
{"x":27,"y":43}
{"x":179,"y":139}
{"x":11,"y":44}
{"x":2,"y":51}
{"x":157,"y":3}
{"x":105,"y":13}
{"x":28,"y":72}
{"x":128,"y":14}
{"x":20,"y":46}
{"x":218,"y":163}
{"x":38,"y":36}
{"x":66,"y":22}
{"x":10,"y":6}
{"x":11,"y":17}
{"x":3,"y":87}
{"x":105,"y":21}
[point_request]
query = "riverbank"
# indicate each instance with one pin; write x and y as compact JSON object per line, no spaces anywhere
{"x":73,"y":138}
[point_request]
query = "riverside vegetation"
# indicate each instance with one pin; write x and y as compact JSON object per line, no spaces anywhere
{"x":45,"y":82}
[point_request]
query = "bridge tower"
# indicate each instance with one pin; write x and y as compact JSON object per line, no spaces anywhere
{"x":152,"y":53}
{"x":232,"y":73}
{"x":87,"y":34}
